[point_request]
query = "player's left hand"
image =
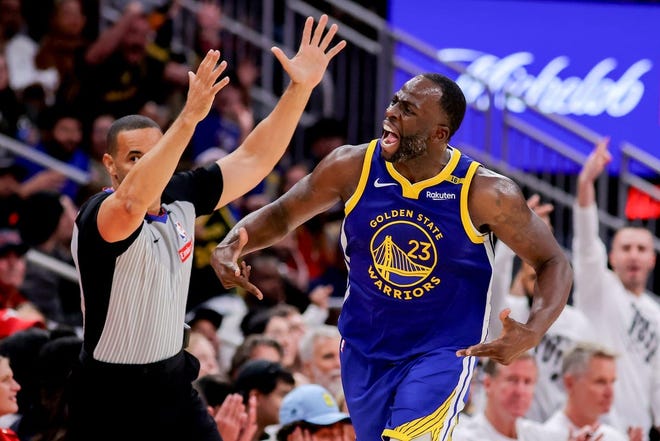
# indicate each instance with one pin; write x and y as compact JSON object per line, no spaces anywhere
{"x":515,"y":339}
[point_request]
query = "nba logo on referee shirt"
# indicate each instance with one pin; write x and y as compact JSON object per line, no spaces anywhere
{"x":186,"y":249}
{"x":182,"y":233}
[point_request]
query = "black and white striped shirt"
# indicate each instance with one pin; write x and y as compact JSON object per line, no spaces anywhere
{"x":134,"y":292}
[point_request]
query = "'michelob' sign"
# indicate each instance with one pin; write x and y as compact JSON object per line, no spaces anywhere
{"x":594,"y":62}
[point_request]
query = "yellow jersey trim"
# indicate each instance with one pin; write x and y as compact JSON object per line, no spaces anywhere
{"x":432,"y":423}
{"x":366,"y":167}
{"x":412,"y":191}
{"x":475,"y":235}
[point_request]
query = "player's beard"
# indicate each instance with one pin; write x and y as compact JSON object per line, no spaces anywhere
{"x":410,"y":147}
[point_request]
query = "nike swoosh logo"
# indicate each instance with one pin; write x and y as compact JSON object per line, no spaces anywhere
{"x":379,"y":184}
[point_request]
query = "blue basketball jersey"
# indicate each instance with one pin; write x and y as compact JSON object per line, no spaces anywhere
{"x":419,"y":271}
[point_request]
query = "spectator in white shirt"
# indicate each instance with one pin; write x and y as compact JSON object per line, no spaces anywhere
{"x":509,"y":391}
{"x":589,"y":374}
{"x":625,"y":317}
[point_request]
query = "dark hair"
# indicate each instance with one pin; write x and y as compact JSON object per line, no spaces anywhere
{"x":208,"y":314}
{"x":56,"y":359}
{"x":288,"y":429}
{"x":244,"y":351}
{"x":39,"y":217}
{"x":213,"y":388}
{"x":255,"y":321}
{"x":9,"y":167}
{"x":50,"y":116}
{"x":126,"y":123}
{"x":452,"y":100}
{"x":23,"y":349}
{"x":261,"y":375}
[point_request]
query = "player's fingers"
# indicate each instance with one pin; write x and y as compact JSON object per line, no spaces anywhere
{"x":237,"y":270}
{"x":491,"y":350}
{"x":247,"y":269}
{"x":252,"y":289}
{"x":238,"y":243}
{"x":472,"y":350}
{"x":504,"y":316}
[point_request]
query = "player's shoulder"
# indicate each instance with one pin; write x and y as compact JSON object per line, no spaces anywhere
{"x":492,"y":177}
{"x":350,"y":152}
{"x":488,"y":184}
{"x":345,"y":157}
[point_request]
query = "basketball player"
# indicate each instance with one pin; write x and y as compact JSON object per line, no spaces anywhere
{"x":417,"y":238}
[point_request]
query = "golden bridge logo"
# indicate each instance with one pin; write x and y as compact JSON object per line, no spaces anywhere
{"x":404,"y":254}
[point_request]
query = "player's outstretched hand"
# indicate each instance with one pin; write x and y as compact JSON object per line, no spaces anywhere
{"x":515,"y":339}
{"x":309,"y":64}
{"x":224,"y":261}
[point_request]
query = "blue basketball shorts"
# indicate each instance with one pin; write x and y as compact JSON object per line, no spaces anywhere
{"x":419,"y":397}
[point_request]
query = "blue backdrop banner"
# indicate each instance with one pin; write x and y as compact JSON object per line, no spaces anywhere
{"x":596,"y":63}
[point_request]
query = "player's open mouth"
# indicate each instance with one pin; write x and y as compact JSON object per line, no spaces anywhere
{"x":390,"y":139}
